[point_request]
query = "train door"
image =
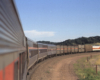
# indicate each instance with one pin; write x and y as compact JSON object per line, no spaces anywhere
{"x":16,"y":70}
{"x":1,"y":67}
{"x":20,"y":66}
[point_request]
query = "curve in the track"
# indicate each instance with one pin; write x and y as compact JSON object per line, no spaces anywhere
{"x":58,"y":68}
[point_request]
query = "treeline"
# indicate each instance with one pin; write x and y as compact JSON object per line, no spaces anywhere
{"x":81,"y":40}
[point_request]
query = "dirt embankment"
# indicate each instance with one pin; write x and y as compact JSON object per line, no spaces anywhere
{"x":58,"y":68}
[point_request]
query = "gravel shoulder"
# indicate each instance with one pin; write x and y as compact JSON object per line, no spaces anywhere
{"x":58,"y":68}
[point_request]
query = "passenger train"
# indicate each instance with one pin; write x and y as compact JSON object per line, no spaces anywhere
{"x":18,"y":53}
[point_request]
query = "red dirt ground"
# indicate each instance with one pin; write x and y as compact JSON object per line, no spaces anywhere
{"x":58,"y":68}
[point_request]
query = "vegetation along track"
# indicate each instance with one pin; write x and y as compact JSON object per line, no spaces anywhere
{"x":58,"y":68}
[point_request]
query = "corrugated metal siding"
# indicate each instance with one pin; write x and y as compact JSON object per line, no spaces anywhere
{"x":88,"y":48}
{"x":81,"y":48}
{"x":73,"y":49}
{"x":69,"y":49}
{"x":76,"y":48}
{"x":58,"y":49}
{"x":33,"y":52}
{"x":49,"y":49}
{"x":42,"y":50}
{"x":65,"y":49}
{"x":11,"y":33}
{"x":96,"y":48}
{"x":62,"y":49}
{"x":54,"y":49}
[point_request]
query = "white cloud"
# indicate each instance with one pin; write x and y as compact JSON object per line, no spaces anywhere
{"x":32,"y":34}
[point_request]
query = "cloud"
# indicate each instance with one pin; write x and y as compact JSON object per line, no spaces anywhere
{"x":38,"y":34}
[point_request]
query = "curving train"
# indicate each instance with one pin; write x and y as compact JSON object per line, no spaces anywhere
{"x":18,"y":53}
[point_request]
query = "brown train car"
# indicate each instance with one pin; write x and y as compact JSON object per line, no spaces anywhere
{"x":81,"y":48}
{"x":72,"y":49}
{"x":65,"y":49}
{"x":76,"y":49}
{"x":69,"y":49}
{"x":58,"y":49}
{"x":88,"y":48}
{"x":62,"y":48}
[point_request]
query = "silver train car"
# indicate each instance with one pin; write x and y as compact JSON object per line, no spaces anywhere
{"x":13,"y":51}
{"x":42,"y":51}
{"x":32,"y":53}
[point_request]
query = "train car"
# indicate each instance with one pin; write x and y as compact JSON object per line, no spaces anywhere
{"x":88,"y":48}
{"x":13,"y":52}
{"x":32,"y":53}
{"x":49,"y":49}
{"x":81,"y":48}
{"x":69,"y":49}
{"x":65,"y":49}
{"x":58,"y":49}
{"x":76,"y":49}
{"x":62,"y":49}
{"x":73,"y":49}
{"x":54,"y":49}
{"x":95,"y":48}
{"x":42,"y":51}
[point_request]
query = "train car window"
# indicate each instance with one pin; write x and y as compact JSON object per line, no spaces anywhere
{"x":35,"y":45}
{"x":33,"y":52}
{"x":44,"y":46}
{"x":23,"y":62}
{"x":43,"y":50}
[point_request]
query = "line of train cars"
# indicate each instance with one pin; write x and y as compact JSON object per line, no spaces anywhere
{"x":39,"y":51}
{"x":18,"y":53}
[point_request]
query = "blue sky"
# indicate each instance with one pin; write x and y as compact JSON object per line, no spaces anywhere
{"x":58,"y":20}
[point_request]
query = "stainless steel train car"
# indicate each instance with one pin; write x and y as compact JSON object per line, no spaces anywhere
{"x":42,"y":50}
{"x":96,"y":48}
{"x":32,"y":53}
{"x":13,"y":52}
{"x":53,"y":49}
{"x":49,"y":49}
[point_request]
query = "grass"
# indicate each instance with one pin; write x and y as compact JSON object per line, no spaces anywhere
{"x":86,"y":70}
{"x":47,"y":71}
{"x":94,"y":44}
{"x":49,"y":67}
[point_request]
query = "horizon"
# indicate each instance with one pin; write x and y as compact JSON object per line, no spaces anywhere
{"x":76,"y":38}
{"x":56,"y":20}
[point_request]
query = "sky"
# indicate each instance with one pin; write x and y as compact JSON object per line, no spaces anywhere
{"x":59,"y":20}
